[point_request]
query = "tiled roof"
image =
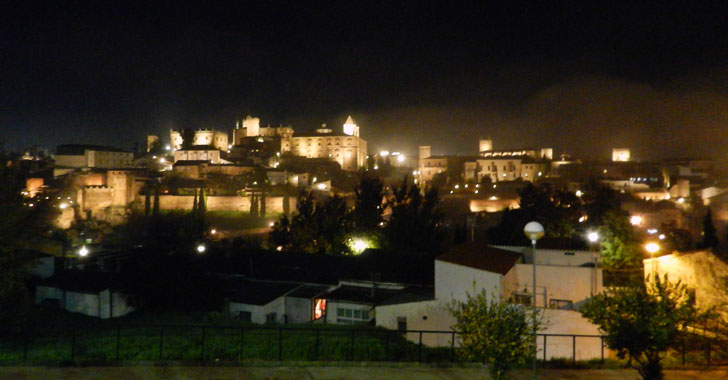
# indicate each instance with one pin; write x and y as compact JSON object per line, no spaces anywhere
{"x":481,"y":256}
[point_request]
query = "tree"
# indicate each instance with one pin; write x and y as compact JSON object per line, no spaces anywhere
{"x":317,"y":227}
{"x":619,"y":248}
{"x":414,"y":225}
{"x":496,"y":333}
{"x":368,"y":208}
{"x":24,"y":223}
{"x":642,"y":321}
{"x":710,"y":239}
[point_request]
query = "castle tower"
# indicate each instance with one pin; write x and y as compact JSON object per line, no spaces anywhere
{"x":425,"y":151}
{"x":620,"y":155}
{"x":350,"y":127}
{"x":151,"y":140}
{"x":251,"y":126}
{"x":485,"y":145}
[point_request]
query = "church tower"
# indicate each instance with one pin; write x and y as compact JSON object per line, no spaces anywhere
{"x":350,"y":127}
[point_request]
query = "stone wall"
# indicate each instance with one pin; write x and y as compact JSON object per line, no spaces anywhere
{"x":273,"y":205}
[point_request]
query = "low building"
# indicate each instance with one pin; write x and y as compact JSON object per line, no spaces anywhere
{"x":276,"y":302}
{"x":565,"y":279}
{"x":94,"y":294}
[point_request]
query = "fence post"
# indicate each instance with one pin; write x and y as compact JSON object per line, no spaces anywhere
{"x":25,"y":345}
{"x":419,"y":349}
{"x":684,"y":348}
{"x":452,"y":347}
{"x":161,"y":343}
{"x":386,"y":346}
{"x":73,"y":344}
{"x":118,"y":341}
{"x":242,"y":343}
{"x":352,"y":344}
{"x":202,"y":349}
{"x":280,"y":343}
{"x":708,"y":353}
{"x":601,"y":340}
{"x":573,"y":350}
{"x":316,"y":351}
{"x":544,"y":347}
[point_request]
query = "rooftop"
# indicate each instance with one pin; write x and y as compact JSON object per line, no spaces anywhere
{"x":481,"y":256}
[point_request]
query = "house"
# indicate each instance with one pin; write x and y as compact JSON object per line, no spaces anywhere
{"x":276,"y":302}
{"x":565,"y":279}
{"x":95,"y":294}
{"x":701,"y":271}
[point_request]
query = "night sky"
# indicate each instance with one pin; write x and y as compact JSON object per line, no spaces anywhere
{"x":580,"y":80}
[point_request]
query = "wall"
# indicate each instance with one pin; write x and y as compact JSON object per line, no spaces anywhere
{"x":699,"y":270}
{"x":333,"y":306}
{"x":575,"y":284}
{"x":453,"y":281}
{"x":274,"y":205}
{"x":427,"y":315}
{"x":70,"y":161}
{"x":298,"y":310}
{"x":84,"y":303}
{"x":569,"y":322}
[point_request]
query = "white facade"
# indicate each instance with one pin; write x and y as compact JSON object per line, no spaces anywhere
{"x":280,"y":310}
{"x":562,"y":283}
{"x":104,"y":304}
{"x":454,"y":282}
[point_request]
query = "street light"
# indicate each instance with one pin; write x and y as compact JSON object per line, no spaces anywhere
{"x":83,"y":251}
{"x":534,"y":231}
{"x":592,"y":236}
{"x":201,"y":248}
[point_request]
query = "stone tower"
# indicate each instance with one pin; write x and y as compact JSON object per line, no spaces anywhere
{"x":425,"y":151}
{"x":350,"y":127}
{"x":485,"y":145}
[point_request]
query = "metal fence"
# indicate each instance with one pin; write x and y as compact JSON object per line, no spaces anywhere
{"x":195,"y":343}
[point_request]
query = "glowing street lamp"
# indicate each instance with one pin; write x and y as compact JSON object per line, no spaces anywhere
{"x":534,"y":231}
{"x":635,"y":220}
{"x":83,"y":252}
{"x":359,"y":246}
{"x":592,"y":236}
{"x":201,"y":248}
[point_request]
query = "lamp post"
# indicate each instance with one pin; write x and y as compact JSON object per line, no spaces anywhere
{"x":534,"y":231}
{"x":593,"y":237}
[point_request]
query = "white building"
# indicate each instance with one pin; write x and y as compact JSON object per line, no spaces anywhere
{"x":565,"y":279}
{"x":276,"y":302}
{"x":92,"y":294}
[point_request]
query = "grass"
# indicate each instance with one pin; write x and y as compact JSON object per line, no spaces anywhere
{"x":204,"y":337}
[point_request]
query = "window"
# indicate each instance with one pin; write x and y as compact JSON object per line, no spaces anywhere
{"x":522,"y":298}
{"x":345,"y":315}
{"x":244,"y":316}
{"x":319,"y":308}
{"x":561,"y":304}
{"x":271,"y":318}
{"x":402,"y":324}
